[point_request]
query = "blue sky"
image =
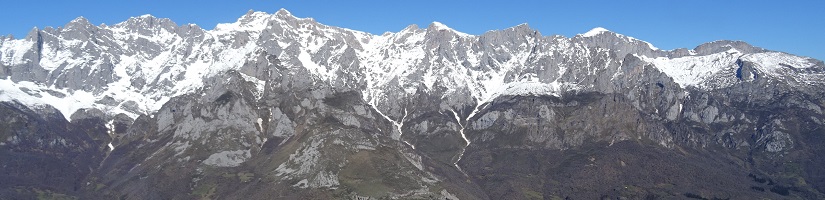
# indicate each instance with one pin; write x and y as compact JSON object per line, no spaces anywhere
{"x":796,"y":27}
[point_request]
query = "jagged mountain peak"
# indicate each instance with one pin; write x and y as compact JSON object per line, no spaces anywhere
{"x":494,"y":58}
{"x":725,"y":45}
{"x":146,"y":21}
{"x":604,"y":36}
{"x":411,"y":27}
{"x":252,"y":15}
{"x":516,"y":32}
{"x":79,"y":20}
{"x":257,"y":21}
{"x":32,"y":35}
{"x":249,"y":12}
{"x":79,"y":23}
{"x":594,"y":32}
{"x":522,"y":26}
{"x":283,"y":12}
{"x":604,"y":32}
{"x":438,"y":26}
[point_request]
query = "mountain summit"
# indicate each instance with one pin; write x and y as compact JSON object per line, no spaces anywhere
{"x":277,"y":106}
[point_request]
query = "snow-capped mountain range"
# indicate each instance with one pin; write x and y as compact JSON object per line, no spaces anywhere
{"x":276,"y":106}
{"x":135,"y":66}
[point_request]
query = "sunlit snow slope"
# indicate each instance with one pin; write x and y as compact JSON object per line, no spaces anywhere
{"x":135,"y":66}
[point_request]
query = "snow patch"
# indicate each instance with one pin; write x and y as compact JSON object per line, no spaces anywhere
{"x":774,"y":61}
{"x":253,"y":23}
{"x":260,"y":124}
{"x":594,"y":32}
{"x":259,"y":85}
{"x":439,"y":26}
{"x":463,"y":136}
{"x":398,"y":124}
{"x":12,"y":51}
{"x":35,"y":95}
{"x":694,"y":70}
{"x":304,"y":183}
{"x":306,"y":61}
{"x":534,"y":88}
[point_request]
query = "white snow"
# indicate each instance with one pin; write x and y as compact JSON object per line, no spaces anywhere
{"x":259,"y":85}
{"x":260,"y":125}
{"x":398,"y":124}
{"x":313,"y":67}
{"x":463,"y":136}
{"x":253,"y":23}
{"x":777,"y":61}
{"x":703,"y":71}
{"x":534,"y":88}
{"x":185,"y":73}
{"x":594,"y":32}
{"x":389,"y":61}
{"x":53,"y":56}
{"x":429,"y":80}
{"x":695,"y":70}
{"x":440,"y":26}
{"x":599,"y":30}
{"x":12,"y":51}
{"x":38,"y":95}
{"x":649,"y":45}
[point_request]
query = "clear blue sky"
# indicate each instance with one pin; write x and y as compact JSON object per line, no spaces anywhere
{"x":796,"y":27}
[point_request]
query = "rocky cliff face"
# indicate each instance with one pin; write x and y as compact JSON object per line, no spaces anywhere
{"x":275,"y":106}
{"x":44,"y":154}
